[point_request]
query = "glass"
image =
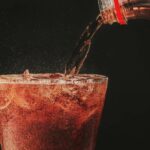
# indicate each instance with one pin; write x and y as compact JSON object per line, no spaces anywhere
{"x":50,"y":111}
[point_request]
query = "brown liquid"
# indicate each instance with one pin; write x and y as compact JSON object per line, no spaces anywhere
{"x":83,"y":47}
{"x":137,"y":10}
{"x":48,"y":112}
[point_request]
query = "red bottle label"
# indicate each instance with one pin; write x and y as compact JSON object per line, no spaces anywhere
{"x":119,"y":14}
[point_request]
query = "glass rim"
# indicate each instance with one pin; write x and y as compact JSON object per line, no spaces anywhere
{"x":52,"y":78}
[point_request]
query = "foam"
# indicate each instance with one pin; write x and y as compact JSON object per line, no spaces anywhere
{"x":49,"y":78}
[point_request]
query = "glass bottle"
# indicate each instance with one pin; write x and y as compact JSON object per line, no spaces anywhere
{"x":123,"y":10}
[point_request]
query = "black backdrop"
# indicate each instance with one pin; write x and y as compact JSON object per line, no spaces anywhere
{"x":40,"y":35}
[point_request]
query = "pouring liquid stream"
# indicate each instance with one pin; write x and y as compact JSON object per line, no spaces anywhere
{"x":82,"y":47}
{"x":129,"y":10}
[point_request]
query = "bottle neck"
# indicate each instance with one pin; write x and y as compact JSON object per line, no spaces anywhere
{"x":139,"y":9}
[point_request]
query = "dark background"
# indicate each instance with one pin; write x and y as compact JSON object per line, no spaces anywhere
{"x":40,"y":35}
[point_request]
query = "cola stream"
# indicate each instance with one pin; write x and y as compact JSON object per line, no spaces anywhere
{"x":82,"y":48}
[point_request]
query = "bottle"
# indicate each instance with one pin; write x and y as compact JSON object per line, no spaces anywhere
{"x":123,"y":10}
